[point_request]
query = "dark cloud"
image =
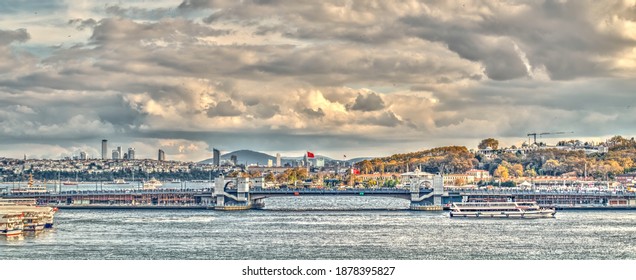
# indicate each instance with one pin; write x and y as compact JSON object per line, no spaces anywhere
{"x":82,"y":24}
{"x":9,"y":36}
{"x":388,"y":119}
{"x":224,"y":109}
{"x":318,"y":113}
{"x":140,"y":13}
{"x":369,"y":102}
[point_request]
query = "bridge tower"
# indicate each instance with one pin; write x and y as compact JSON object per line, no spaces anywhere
{"x":426,"y":190}
{"x":231,"y":194}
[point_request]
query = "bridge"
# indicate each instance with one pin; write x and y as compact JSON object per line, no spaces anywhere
{"x":424,"y":193}
{"x":235,"y":194}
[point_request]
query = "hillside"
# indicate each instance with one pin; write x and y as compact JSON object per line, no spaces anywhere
{"x":245,"y":156}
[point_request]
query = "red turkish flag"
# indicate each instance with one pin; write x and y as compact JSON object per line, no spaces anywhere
{"x":310,"y":155}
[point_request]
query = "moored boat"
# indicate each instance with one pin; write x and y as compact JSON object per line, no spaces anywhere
{"x":501,"y":210}
{"x":30,"y":188}
{"x":32,"y":217}
{"x":11,"y":223}
{"x":152,"y":184}
{"x":117,"y":182}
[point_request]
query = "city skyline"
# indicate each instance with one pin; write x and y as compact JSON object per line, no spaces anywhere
{"x":358,"y":78}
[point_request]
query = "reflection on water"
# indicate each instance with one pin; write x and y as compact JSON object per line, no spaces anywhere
{"x":282,"y":232}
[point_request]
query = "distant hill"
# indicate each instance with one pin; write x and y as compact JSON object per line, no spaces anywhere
{"x":356,"y":160}
{"x":245,"y":156}
{"x":253,"y":157}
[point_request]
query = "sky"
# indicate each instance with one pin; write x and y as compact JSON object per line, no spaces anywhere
{"x":354,"y":78}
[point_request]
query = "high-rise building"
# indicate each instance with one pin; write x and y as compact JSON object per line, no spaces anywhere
{"x":125,"y":156}
{"x":234,"y":160}
{"x":270,"y":163}
{"x":278,"y":159}
{"x":104,"y":149}
{"x":115,"y":154}
{"x":161,"y":156}
{"x":119,"y":152}
{"x":82,"y":156}
{"x":217,"y":157}
{"x":320,"y":162}
{"x":131,"y":153}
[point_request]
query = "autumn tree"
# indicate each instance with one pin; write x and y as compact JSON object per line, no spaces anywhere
{"x":552,"y":165}
{"x":488,"y":142}
{"x":269,"y":177}
{"x":517,"y":170}
{"x":502,"y":173}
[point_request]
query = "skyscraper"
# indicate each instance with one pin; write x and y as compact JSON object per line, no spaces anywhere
{"x":131,"y":153}
{"x":115,"y":154}
{"x":161,"y":156}
{"x":104,"y":149}
{"x":217,"y":157}
{"x":234,"y":160}
{"x":278,"y":159}
{"x":119,"y":152}
{"x":82,"y":156}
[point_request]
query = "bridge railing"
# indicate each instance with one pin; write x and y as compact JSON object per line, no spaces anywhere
{"x":118,"y":192}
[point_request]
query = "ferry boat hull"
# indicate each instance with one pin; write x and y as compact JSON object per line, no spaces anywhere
{"x":519,"y":210}
{"x":525,"y":215}
{"x":11,"y":232}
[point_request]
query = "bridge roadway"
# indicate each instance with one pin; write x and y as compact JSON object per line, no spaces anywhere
{"x":201,"y":197}
{"x":255,"y":191}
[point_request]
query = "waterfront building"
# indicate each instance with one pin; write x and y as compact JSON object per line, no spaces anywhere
{"x":458,"y":179}
{"x":320,"y":162}
{"x":104,"y":148}
{"x":161,"y":155}
{"x":278,"y":163}
{"x":216,"y":154}
{"x":270,"y":163}
{"x":479,"y":175}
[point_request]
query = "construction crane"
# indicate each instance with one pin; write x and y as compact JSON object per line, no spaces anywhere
{"x":546,"y":133}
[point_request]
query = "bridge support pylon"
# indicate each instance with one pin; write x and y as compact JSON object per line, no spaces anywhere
{"x":225,"y":198}
{"x":431,"y":201}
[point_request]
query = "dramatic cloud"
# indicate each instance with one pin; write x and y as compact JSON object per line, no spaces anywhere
{"x":9,"y":36}
{"x":370,"y":102}
{"x":375,"y":77}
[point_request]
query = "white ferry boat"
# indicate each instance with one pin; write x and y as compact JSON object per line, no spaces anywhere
{"x":11,"y":223}
{"x":152,"y":184}
{"x":32,"y":217}
{"x":500,"y":210}
{"x":30,"y":188}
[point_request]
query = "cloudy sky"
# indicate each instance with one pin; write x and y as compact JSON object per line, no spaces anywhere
{"x":361,"y":78}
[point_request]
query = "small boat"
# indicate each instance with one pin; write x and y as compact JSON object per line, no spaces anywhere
{"x":69,"y":183}
{"x":500,"y":210}
{"x":117,"y":182}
